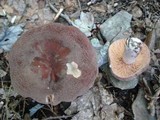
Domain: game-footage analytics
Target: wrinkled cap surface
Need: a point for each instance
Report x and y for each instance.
(52, 63)
(119, 68)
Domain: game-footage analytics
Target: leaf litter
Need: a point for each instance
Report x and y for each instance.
(9, 36)
(96, 104)
(85, 23)
(99, 102)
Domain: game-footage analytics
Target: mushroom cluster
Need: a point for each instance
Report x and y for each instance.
(128, 58)
(53, 63)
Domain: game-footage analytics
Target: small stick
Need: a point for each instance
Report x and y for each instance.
(146, 85)
(62, 15)
(58, 14)
(79, 4)
(154, 99)
(91, 2)
(58, 117)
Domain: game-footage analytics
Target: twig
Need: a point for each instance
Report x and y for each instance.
(62, 15)
(79, 4)
(154, 99)
(58, 117)
(58, 14)
(91, 2)
(146, 85)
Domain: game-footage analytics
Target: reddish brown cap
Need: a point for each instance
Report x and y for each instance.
(53, 63)
(119, 68)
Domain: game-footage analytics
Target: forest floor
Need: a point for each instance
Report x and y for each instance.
(144, 24)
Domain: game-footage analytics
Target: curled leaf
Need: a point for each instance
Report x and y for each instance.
(85, 23)
(9, 36)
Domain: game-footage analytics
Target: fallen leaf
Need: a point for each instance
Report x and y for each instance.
(1, 91)
(96, 104)
(34, 109)
(85, 23)
(2, 73)
(150, 39)
(99, 8)
(19, 5)
(139, 108)
(8, 9)
(9, 36)
(137, 12)
(71, 4)
(45, 14)
(2, 12)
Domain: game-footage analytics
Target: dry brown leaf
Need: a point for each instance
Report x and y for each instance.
(45, 14)
(30, 12)
(136, 12)
(19, 6)
(99, 8)
(2, 12)
(8, 9)
(41, 4)
(150, 39)
(32, 3)
(71, 4)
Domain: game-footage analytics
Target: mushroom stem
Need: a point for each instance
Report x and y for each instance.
(132, 49)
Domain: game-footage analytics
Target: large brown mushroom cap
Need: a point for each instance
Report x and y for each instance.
(124, 71)
(40, 62)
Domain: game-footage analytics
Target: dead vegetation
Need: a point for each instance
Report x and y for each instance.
(103, 101)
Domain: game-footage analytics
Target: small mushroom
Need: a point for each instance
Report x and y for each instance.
(128, 58)
(53, 63)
